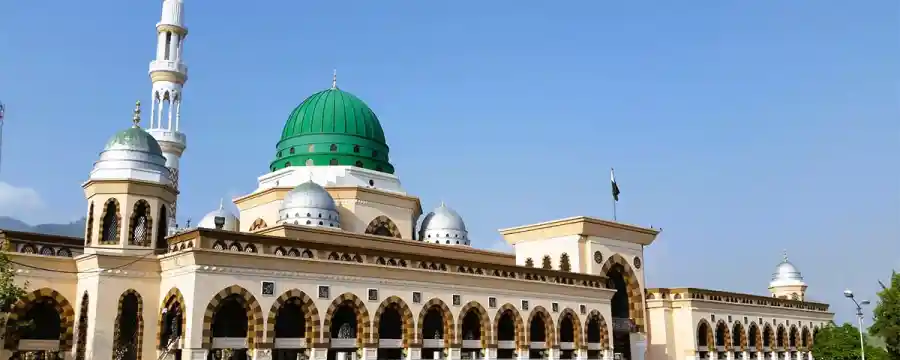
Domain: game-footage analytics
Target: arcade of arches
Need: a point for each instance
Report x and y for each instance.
(752, 341)
(293, 327)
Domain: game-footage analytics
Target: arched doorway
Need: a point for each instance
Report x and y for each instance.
(804, 339)
(737, 340)
(540, 333)
(41, 331)
(230, 329)
(346, 322)
(290, 331)
(433, 333)
(793, 334)
(767, 337)
(621, 311)
(507, 331)
(172, 324)
(390, 331)
(723, 339)
(780, 338)
(597, 335)
(471, 334)
(569, 335)
(753, 336)
(129, 323)
(704, 340)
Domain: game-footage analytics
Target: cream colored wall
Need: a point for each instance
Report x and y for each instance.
(609, 247)
(209, 282)
(555, 247)
(674, 324)
(266, 211)
(359, 213)
(788, 291)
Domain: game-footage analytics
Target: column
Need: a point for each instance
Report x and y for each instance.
(318, 353)
(581, 354)
(171, 109)
(746, 355)
(522, 354)
(553, 353)
(413, 353)
(370, 353)
(490, 353)
(194, 354)
(759, 355)
(173, 50)
(729, 355)
(607, 354)
(714, 355)
(178, 112)
(453, 353)
(159, 111)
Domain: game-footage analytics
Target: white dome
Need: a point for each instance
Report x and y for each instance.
(786, 274)
(231, 222)
(309, 204)
(132, 154)
(444, 226)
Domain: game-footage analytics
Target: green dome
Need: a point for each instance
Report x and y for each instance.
(333, 127)
(134, 139)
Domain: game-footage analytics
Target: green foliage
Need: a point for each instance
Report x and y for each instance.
(887, 317)
(546, 262)
(10, 292)
(842, 343)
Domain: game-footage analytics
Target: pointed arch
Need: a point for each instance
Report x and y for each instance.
(89, 226)
(446, 317)
(173, 298)
(517, 321)
(162, 228)
(258, 224)
(81, 341)
(755, 333)
(768, 336)
(604, 330)
(540, 311)
(405, 316)
(140, 224)
(363, 322)
(781, 337)
(483, 319)
(793, 336)
(58, 301)
(110, 220)
(704, 326)
(384, 226)
(310, 316)
(806, 335)
(723, 335)
(138, 337)
(251, 306)
(635, 295)
(738, 336)
(576, 326)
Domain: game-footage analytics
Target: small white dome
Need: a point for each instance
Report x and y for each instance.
(132, 154)
(786, 274)
(444, 226)
(229, 221)
(309, 204)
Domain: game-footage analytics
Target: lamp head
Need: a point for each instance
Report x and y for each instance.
(865, 302)
(848, 293)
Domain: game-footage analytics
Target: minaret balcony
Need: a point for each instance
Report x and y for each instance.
(168, 65)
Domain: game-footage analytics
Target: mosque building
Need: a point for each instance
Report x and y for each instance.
(328, 259)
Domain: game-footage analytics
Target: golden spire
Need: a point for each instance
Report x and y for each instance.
(136, 118)
(334, 80)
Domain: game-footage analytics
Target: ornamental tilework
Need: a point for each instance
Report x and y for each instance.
(576, 327)
(310, 316)
(517, 321)
(63, 308)
(255, 318)
(635, 295)
(549, 337)
(363, 324)
(405, 316)
(484, 321)
(446, 318)
(174, 295)
(383, 222)
(139, 335)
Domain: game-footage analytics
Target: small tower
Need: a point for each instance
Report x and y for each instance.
(168, 73)
(129, 193)
(787, 283)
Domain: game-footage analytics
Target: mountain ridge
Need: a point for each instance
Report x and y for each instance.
(73, 229)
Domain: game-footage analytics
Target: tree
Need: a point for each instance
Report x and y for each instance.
(546, 263)
(842, 343)
(10, 292)
(564, 264)
(887, 317)
(529, 262)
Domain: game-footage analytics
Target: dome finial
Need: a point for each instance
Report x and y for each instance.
(334, 80)
(784, 256)
(136, 117)
(221, 203)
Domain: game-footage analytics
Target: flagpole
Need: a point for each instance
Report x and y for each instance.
(614, 209)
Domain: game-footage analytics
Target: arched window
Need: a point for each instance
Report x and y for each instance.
(109, 229)
(358, 163)
(90, 225)
(292, 150)
(356, 148)
(333, 147)
(141, 226)
(333, 162)
(162, 228)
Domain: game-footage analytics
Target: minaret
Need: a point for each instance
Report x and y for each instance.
(168, 73)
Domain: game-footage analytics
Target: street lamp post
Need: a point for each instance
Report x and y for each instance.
(859, 316)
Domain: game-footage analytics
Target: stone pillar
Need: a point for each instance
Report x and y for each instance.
(714, 355)
(194, 354)
(581, 354)
(553, 353)
(318, 353)
(729, 355)
(370, 353)
(607, 354)
(413, 353)
(453, 353)
(490, 353)
(522, 354)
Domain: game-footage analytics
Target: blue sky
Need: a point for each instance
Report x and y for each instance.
(741, 128)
